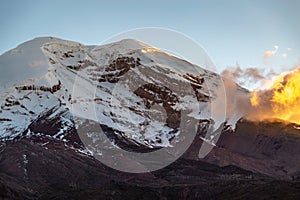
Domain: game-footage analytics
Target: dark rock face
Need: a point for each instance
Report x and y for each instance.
(81, 65)
(197, 85)
(59, 126)
(155, 94)
(52, 89)
(117, 68)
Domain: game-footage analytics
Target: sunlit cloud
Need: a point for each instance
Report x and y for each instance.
(245, 75)
(270, 53)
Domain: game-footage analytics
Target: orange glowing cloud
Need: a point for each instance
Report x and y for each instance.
(281, 100)
(270, 53)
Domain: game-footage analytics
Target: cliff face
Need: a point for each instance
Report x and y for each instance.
(52, 89)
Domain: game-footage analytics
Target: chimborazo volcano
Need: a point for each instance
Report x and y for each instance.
(127, 120)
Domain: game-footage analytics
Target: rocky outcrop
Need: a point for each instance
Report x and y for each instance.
(117, 68)
(81, 65)
(52, 89)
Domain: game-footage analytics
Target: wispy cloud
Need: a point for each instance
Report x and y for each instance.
(249, 77)
(239, 75)
(270, 53)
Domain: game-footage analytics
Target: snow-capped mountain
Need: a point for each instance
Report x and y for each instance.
(142, 98)
(60, 98)
(137, 90)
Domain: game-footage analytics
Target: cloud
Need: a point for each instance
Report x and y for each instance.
(239, 75)
(37, 64)
(252, 77)
(254, 73)
(284, 55)
(233, 73)
(270, 53)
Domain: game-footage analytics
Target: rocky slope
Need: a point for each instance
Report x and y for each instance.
(266, 147)
(50, 169)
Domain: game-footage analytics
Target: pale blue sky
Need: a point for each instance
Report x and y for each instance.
(230, 30)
